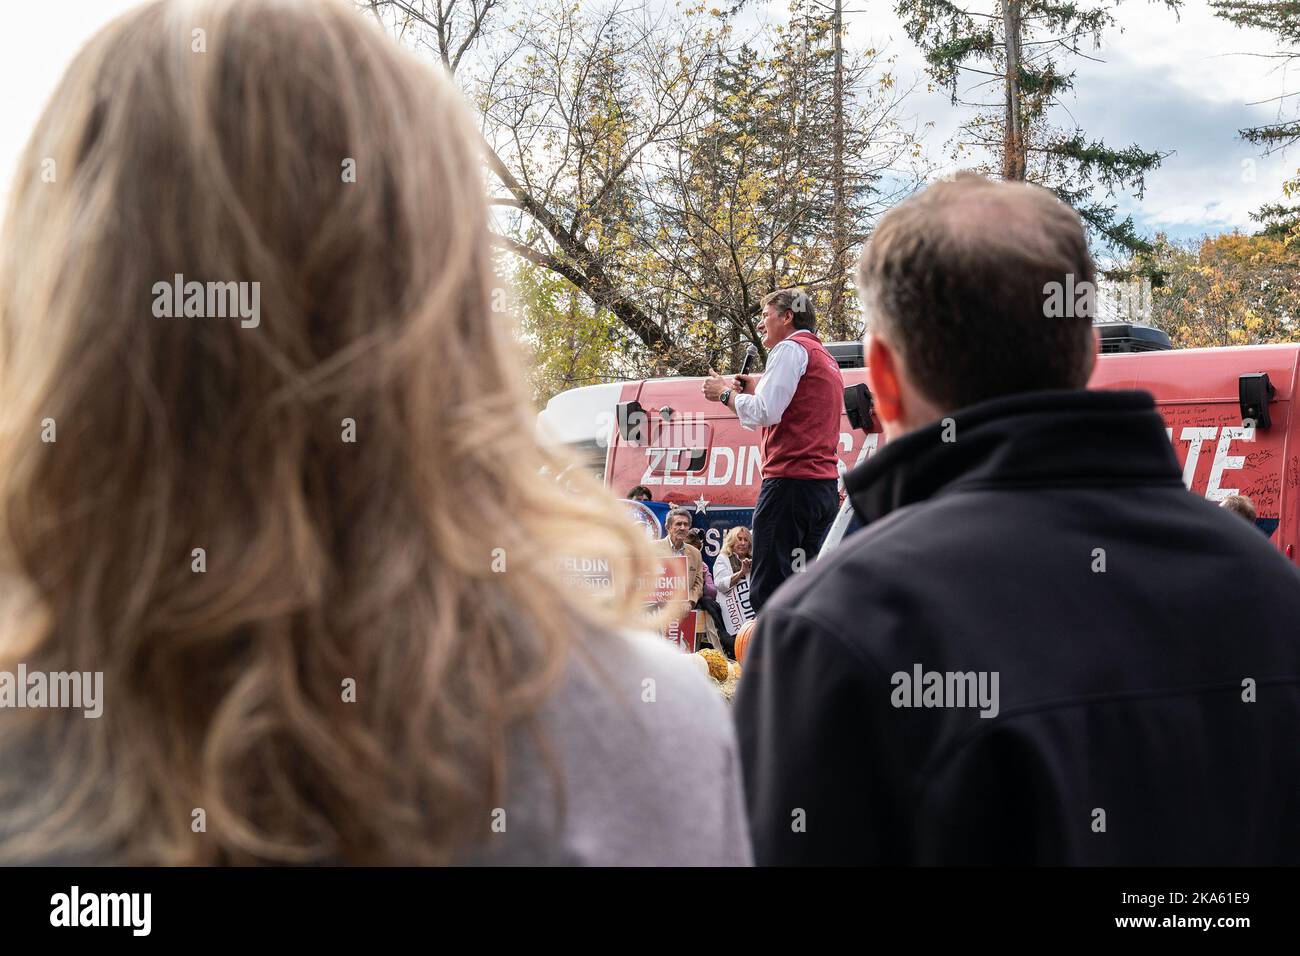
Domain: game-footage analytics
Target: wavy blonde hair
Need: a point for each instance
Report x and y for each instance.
(374, 561)
(731, 537)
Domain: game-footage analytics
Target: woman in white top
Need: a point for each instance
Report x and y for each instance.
(733, 561)
(730, 572)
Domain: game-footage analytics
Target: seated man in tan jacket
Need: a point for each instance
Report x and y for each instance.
(678, 524)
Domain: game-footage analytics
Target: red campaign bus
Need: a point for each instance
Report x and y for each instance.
(1227, 412)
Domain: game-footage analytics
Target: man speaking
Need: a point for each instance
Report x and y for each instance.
(796, 406)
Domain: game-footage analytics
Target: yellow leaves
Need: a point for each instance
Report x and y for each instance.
(1231, 289)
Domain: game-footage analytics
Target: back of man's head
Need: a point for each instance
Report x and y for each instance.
(1239, 504)
(976, 285)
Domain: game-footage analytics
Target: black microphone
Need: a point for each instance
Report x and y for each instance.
(751, 353)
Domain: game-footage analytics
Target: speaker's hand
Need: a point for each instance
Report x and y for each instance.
(716, 384)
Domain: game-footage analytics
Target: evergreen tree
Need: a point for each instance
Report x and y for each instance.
(1281, 18)
(1024, 47)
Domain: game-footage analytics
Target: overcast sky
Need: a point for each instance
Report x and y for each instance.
(1168, 83)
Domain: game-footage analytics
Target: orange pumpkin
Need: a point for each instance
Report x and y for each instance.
(742, 640)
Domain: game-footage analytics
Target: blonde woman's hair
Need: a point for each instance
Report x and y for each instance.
(321, 643)
(729, 539)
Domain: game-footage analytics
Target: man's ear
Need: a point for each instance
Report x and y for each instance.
(883, 380)
(1092, 357)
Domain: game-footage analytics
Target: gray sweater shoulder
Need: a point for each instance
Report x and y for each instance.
(636, 764)
(643, 751)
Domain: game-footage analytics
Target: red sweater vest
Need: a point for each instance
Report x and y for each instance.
(803, 443)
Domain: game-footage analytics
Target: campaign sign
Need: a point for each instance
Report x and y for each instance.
(736, 609)
(669, 581)
(669, 584)
(682, 633)
(588, 575)
(716, 523)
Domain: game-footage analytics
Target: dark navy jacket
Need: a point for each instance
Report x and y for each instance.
(1146, 645)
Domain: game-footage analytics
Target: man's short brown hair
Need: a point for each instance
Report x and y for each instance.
(797, 301)
(674, 514)
(956, 279)
(1241, 505)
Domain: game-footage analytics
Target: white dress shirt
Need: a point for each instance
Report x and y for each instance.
(786, 364)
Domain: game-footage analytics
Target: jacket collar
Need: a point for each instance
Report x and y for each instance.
(808, 332)
(1028, 440)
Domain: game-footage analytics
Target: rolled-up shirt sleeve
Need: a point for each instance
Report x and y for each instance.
(786, 364)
